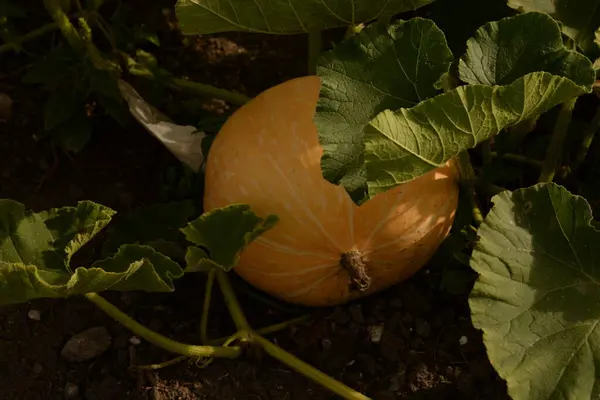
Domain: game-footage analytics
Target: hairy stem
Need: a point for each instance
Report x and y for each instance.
(266, 330)
(353, 30)
(315, 45)
(518, 158)
(14, 45)
(468, 180)
(559, 133)
(232, 303)
(159, 340)
(210, 280)
(86, 47)
(307, 370)
(194, 87)
(588, 138)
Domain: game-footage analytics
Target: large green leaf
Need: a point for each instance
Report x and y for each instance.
(36, 251)
(537, 298)
(283, 17)
(579, 18)
(383, 67)
(402, 145)
(505, 50)
(222, 234)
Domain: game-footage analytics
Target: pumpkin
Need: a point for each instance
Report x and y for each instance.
(325, 250)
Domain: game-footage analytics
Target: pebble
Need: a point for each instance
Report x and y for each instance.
(34, 315)
(376, 332)
(71, 390)
(87, 345)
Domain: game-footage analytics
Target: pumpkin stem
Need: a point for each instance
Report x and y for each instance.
(354, 262)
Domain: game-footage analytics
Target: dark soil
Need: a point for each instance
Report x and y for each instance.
(428, 349)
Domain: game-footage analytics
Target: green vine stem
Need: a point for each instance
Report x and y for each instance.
(15, 44)
(468, 180)
(308, 370)
(86, 47)
(159, 340)
(246, 332)
(315, 46)
(210, 280)
(518, 158)
(266, 330)
(553, 153)
(353, 30)
(588, 138)
(193, 87)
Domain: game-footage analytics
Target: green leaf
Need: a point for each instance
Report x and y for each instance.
(48, 239)
(503, 51)
(402, 145)
(383, 67)
(579, 18)
(148, 224)
(222, 234)
(538, 292)
(283, 17)
(36, 249)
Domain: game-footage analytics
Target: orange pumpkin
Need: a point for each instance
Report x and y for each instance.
(325, 250)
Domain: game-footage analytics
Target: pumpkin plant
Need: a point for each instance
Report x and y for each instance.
(343, 182)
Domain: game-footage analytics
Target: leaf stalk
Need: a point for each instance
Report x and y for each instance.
(245, 332)
(554, 151)
(588, 138)
(157, 339)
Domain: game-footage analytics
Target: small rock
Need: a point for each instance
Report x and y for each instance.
(375, 332)
(34, 315)
(356, 313)
(326, 343)
(463, 340)
(87, 345)
(134, 340)
(71, 390)
(37, 368)
(422, 328)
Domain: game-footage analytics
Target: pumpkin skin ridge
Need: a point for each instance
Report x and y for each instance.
(287, 275)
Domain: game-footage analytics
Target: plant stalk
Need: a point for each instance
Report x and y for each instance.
(86, 47)
(159, 340)
(308, 370)
(353, 30)
(14, 45)
(315, 45)
(266, 330)
(210, 280)
(588, 138)
(194, 87)
(518, 158)
(554, 151)
(232, 303)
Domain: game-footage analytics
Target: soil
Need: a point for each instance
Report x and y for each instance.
(428, 348)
